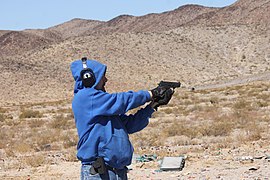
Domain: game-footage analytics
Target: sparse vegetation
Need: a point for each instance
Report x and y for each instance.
(34, 160)
(2, 118)
(22, 147)
(208, 118)
(37, 130)
(217, 114)
(36, 123)
(232, 115)
(70, 139)
(30, 114)
(242, 104)
(59, 122)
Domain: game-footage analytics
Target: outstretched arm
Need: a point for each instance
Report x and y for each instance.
(106, 104)
(138, 121)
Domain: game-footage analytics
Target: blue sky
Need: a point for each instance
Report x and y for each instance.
(34, 14)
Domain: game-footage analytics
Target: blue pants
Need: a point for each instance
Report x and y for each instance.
(119, 174)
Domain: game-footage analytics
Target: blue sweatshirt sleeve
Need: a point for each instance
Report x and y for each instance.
(106, 104)
(138, 121)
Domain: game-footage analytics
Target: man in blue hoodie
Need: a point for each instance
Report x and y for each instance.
(103, 127)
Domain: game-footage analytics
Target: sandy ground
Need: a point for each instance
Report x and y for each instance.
(223, 164)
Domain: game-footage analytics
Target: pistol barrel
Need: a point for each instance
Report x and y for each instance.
(170, 84)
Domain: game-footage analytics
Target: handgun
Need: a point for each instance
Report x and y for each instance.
(169, 84)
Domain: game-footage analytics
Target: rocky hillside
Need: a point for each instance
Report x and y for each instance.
(221, 127)
(14, 42)
(246, 12)
(75, 27)
(193, 44)
(152, 22)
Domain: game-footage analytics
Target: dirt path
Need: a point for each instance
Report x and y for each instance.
(238, 81)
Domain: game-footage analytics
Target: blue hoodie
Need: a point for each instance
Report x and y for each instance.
(101, 122)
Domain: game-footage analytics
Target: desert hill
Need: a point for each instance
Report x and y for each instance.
(221, 127)
(14, 42)
(152, 22)
(139, 51)
(127, 23)
(242, 12)
(75, 27)
(3, 32)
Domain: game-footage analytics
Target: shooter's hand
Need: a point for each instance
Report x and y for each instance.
(158, 92)
(164, 100)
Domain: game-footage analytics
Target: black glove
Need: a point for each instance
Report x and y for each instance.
(158, 92)
(164, 100)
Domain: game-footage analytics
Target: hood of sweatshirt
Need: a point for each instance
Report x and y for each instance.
(76, 67)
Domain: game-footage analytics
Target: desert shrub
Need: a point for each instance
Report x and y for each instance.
(241, 104)
(177, 129)
(12, 123)
(68, 110)
(2, 118)
(36, 123)
(254, 134)
(3, 137)
(181, 95)
(225, 142)
(69, 140)
(156, 114)
(71, 155)
(216, 128)
(30, 114)
(151, 137)
(193, 108)
(70, 115)
(252, 93)
(2, 110)
(10, 152)
(22, 147)
(253, 130)
(214, 100)
(262, 103)
(34, 160)
(263, 96)
(59, 122)
(186, 102)
(168, 110)
(265, 118)
(242, 118)
(45, 137)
